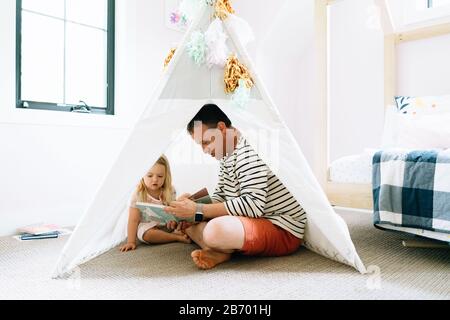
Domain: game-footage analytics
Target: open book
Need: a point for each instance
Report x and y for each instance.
(155, 212)
(201, 196)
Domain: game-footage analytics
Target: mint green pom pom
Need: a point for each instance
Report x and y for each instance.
(241, 96)
(197, 47)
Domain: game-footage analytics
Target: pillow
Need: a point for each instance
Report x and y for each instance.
(425, 132)
(423, 105)
(416, 131)
(390, 130)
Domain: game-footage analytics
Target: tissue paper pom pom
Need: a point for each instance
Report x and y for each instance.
(216, 41)
(169, 57)
(234, 71)
(241, 95)
(196, 48)
(223, 9)
(241, 28)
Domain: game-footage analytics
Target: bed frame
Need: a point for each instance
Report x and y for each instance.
(360, 195)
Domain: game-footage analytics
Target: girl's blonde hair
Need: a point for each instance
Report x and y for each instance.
(167, 189)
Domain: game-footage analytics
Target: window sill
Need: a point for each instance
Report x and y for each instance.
(21, 116)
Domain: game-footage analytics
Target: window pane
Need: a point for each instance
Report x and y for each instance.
(50, 7)
(440, 3)
(86, 65)
(42, 58)
(90, 12)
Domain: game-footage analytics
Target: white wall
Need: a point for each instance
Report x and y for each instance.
(356, 77)
(51, 163)
(423, 67)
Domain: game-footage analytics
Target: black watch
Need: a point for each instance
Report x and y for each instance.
(199, 213)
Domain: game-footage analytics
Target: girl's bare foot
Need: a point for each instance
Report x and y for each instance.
(207, 258)
(182, 237)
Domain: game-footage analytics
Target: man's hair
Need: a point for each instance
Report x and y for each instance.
(210, 115)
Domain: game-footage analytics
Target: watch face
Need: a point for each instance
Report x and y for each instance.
(198, 217)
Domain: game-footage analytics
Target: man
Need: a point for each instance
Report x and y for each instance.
(252, 211)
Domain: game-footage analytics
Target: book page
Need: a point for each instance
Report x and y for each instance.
(155, 212)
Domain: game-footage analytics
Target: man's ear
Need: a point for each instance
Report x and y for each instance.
(222, 126)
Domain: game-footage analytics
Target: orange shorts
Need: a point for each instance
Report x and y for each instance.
(263, 238)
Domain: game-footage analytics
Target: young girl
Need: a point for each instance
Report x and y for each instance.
(156, 187)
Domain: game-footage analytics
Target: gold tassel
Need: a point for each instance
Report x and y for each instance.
(223, 9)
(234, 70)
(169, 57)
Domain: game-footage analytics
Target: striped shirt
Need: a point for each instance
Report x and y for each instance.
(248, 188)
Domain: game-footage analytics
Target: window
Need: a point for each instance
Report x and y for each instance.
(419, 11)
(437, 3)
(65, 55)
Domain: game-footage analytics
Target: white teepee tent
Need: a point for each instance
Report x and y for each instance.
(183, 90)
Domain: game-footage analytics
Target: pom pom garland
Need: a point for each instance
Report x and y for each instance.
(223, 9)
(216, 41)
(234, 71)
(169, 57)
(241, 95)
(196, 48)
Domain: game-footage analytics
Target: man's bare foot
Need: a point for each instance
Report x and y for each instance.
(207, 258)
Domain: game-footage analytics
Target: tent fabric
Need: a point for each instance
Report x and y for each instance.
(182, 91)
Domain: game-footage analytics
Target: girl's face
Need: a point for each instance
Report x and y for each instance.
(154, 179)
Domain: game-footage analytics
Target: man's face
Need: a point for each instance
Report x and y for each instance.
(216, 142)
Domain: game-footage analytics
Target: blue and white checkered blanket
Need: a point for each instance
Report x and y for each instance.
(412, 189)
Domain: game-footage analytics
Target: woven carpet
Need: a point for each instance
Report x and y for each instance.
(167, 272)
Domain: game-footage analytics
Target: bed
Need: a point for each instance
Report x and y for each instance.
(408, 190)
(349, 180)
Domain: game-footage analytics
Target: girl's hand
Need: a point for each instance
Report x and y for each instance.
(183, 225)
(128, 246)
(172, 225)
(180, 226)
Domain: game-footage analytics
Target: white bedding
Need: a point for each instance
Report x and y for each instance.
(353, 169)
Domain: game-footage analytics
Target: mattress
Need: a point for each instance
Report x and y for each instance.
(353, 169)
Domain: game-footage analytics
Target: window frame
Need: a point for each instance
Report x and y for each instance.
(110, 73)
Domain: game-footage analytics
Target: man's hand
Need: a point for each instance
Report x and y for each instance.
(184, 209)
(184, 196)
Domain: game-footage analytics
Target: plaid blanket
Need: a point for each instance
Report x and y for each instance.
(412, 189)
